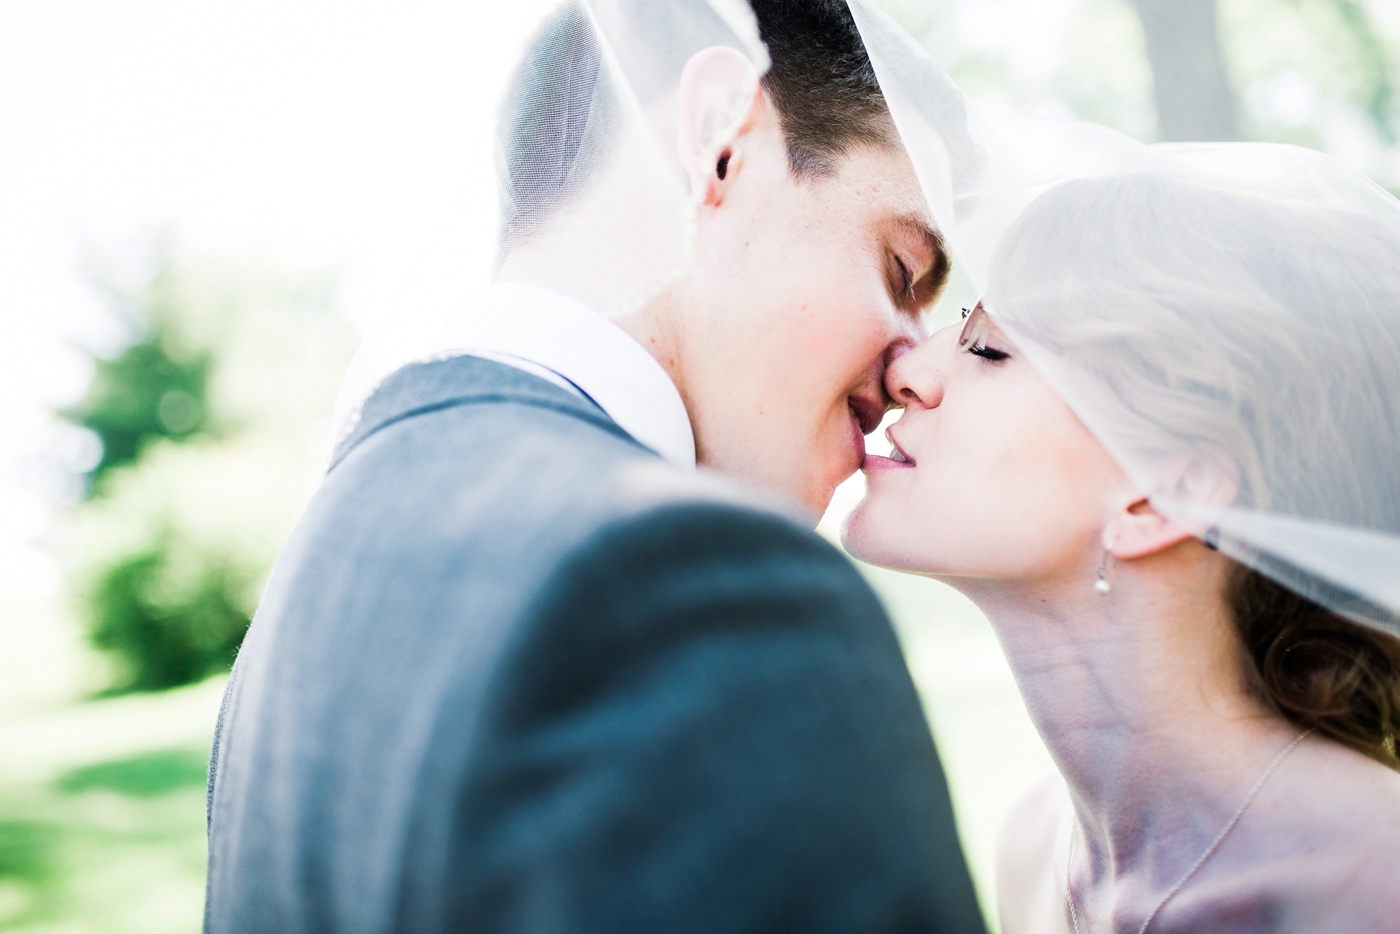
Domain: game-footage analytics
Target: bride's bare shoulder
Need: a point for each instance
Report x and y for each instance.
(1030, 855)
(1368, 831)
(1358, 797)
(1318, 851)
(1031, 827)
(1338, 859)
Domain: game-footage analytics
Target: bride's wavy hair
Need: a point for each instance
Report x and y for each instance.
(1195, 316)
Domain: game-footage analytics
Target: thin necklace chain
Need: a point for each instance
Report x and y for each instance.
(1215, 844)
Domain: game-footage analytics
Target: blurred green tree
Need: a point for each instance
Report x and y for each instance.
(171, 613)
(213, 418)
(155, 387)
(143, 393)
(1193, 85)
(1190, 78)
(1376, 64)
(1315, 73)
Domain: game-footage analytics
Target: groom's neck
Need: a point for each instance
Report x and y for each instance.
(656, 326)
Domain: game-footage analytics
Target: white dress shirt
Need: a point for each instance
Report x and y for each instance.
(564, 341)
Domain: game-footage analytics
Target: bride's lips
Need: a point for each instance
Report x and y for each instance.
(900, 460)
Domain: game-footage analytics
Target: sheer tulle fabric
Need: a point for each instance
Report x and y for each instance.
(594, 199)
(1225, 318)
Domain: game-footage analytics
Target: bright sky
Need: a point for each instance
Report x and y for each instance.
(298, 132)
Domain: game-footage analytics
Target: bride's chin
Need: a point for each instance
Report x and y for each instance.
(874, 541)
(865, 539)
(854, 534)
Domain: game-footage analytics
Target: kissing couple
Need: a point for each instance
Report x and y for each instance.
(555, 649)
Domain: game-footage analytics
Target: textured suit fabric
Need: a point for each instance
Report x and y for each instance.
(513, 673)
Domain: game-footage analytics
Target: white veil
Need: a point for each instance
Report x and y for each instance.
(594, 199)
(1225, 318)
(590, 195)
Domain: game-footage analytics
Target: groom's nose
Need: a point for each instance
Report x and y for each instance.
(912, 379)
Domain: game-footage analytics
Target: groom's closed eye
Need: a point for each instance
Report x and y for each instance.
(921, 261)
(904, 278)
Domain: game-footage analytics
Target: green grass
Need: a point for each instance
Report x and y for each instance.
(151, 775)
(101, 798)
(115, 846)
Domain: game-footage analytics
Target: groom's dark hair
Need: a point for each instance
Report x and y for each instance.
(820, 81)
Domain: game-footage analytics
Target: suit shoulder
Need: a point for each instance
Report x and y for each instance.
(658, 515)
(681, 558)
(645, 490)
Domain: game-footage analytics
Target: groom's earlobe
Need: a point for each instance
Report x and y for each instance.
(711, 194)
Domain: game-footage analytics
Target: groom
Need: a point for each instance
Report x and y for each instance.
(521, 668)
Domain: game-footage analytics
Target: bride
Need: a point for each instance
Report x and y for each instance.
(1162, 455)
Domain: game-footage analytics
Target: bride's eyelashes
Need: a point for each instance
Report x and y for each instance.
(976, 331)
(988, 353)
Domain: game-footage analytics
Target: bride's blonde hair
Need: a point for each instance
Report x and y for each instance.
(1196, 312)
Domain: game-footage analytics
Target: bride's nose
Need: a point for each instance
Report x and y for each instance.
(914, 378)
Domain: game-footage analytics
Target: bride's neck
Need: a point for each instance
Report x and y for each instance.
(1140, 697)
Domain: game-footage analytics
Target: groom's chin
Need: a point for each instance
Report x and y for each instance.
(813, 491)
(816, 504)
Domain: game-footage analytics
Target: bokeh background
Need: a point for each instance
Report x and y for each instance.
(206, 206)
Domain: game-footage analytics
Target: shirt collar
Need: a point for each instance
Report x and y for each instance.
(568, 338)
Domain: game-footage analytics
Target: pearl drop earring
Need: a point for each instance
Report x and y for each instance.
(1101, 586)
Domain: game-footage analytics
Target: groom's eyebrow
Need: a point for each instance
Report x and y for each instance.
(933, 248)
(929, 240)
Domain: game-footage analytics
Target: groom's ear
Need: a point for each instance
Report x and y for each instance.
(720, 101)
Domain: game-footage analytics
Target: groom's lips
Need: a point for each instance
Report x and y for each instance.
(866, 415)
(868, 412)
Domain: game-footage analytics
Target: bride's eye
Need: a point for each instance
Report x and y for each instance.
(975, 332)
(988, 353)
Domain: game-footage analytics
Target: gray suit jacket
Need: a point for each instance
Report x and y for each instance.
(514, 673)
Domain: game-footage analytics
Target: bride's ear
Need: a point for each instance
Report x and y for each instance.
(1198, 490)
(720, 101)
(1139, 530)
